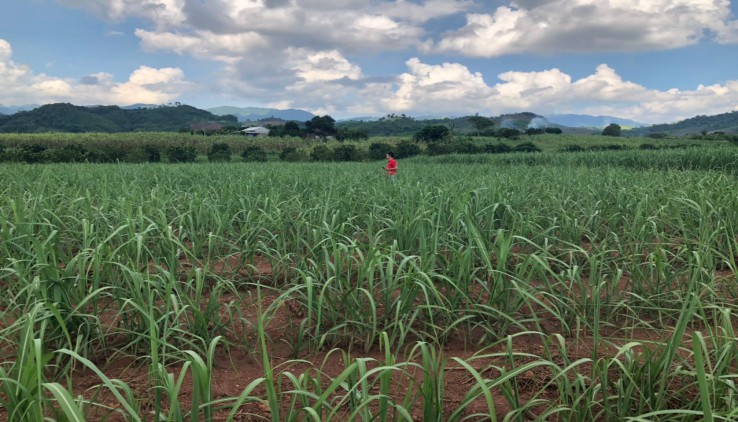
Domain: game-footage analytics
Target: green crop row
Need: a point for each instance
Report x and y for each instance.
(587, 286)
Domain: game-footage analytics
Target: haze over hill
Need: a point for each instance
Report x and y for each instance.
(64, 117)
(258, 113)
(585, 120)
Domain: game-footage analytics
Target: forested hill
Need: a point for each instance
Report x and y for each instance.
(726, 122)
(71, 118)
(401, 125)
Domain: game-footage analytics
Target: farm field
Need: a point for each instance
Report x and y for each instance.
(589, 286)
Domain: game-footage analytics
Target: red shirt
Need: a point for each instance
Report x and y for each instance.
(391, 167)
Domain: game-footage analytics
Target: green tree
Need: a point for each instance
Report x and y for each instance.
(480, 123)
(433, 133)
(322, 126)
(613, 129)
(292, 129)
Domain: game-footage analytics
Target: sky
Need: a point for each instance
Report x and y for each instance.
(653, 61)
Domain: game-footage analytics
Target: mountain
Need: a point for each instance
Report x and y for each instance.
(584, 120)
(70, 118)
(725, 122)
(402, 125)
(139, 105)
(258, 113)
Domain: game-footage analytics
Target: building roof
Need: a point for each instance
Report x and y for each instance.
(256, 129)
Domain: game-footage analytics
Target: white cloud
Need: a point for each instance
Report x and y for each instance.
(204, 45)
(323, 66)
(422, 12)
(527, 26)
(441, 88)
(20, 85)
(314, 24)
(452, 88)
(164, 13)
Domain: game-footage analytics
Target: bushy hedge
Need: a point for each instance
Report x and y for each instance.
(378, 150)
(181, 154)
(219, 152)
(254, 154)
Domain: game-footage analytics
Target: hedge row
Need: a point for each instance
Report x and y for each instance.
(221, 152)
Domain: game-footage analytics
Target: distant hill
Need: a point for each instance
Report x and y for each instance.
(257, 113)
(726, 122)
(64, 117)
(402, 125)
(584, 120)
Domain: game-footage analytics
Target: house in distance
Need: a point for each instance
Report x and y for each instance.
(255, 131)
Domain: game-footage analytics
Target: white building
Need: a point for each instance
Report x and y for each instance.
(255, 131)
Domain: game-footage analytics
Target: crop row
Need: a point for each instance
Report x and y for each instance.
(552, 271)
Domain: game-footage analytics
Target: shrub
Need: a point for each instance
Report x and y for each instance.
(32, 153)
(219, 152)
(292, 154)
(433, 133)
(407, 149)
(657, 135)
(152, 153)
(321, 153)
(181, 154)
(439, 148)
(526, 147)
(378, 150)
(534, 131)
(137, 155)
(506, 132)
(466, 148)
(647, 146)
(110, 154)
(554, 130)
(573, 148)
(498, 148)
(254, 153)
(345, 153)
(72, 153)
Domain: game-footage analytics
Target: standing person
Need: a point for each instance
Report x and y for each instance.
(391, 168)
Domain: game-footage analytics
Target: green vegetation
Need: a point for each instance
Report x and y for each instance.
(166, 147)
(576, 286)
(726, 123)
(77, 119)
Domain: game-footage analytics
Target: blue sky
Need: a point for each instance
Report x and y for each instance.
(653, 61)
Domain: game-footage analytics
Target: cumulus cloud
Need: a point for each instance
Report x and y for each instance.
(535, 26)
(452, 88)
(165, 13)
(314, 24)
(20, 85)
(425, 11)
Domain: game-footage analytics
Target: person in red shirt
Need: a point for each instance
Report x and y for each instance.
(391, 168)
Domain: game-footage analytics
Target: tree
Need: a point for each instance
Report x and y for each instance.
(433, 133)
(291, 129)
(321, 126)
(480, 123)
(613, 129)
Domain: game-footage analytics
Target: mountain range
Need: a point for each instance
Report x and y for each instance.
(596, 122)
(252, 114)
(70, 118)
(175, 117)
